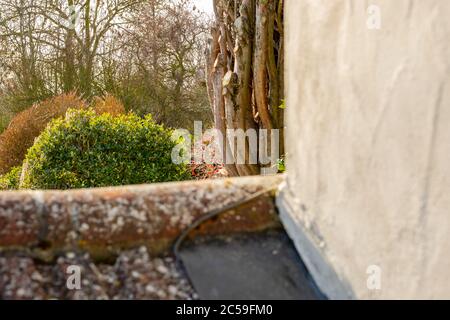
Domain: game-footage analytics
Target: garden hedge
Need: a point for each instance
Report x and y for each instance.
(86, 150)
(27, 125)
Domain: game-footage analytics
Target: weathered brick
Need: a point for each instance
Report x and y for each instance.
(108, 220)
(19, 219)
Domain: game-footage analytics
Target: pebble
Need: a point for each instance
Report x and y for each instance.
(134, 275)
(163, 270)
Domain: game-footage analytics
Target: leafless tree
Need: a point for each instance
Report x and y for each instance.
(148, 52)
(54, 46)
(164, 57)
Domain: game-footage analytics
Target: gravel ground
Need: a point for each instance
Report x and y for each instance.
(134, 275)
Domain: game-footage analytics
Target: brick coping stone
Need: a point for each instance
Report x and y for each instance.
(106, 221)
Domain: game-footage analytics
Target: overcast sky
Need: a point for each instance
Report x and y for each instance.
(205, 5)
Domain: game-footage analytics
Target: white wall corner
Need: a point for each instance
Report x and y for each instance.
(327, 279)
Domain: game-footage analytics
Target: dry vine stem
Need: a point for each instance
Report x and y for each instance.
(245, 70)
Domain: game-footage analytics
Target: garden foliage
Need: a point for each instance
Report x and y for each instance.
(86, 150)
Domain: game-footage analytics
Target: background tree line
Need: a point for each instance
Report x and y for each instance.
(149, 54)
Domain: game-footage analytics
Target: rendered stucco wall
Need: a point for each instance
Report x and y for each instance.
(368, 116)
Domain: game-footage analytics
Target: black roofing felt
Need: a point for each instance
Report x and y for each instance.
(259, 266)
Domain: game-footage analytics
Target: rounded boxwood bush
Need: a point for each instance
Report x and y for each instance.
(86, 150)
(27, 125)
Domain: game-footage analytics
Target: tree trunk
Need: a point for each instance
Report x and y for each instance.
(69, 70)
(245, 75)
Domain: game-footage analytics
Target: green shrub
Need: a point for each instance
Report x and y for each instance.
(86, 150)
(26, 126)
(10, 181)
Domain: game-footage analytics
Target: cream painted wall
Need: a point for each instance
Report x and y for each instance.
(368, 116)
